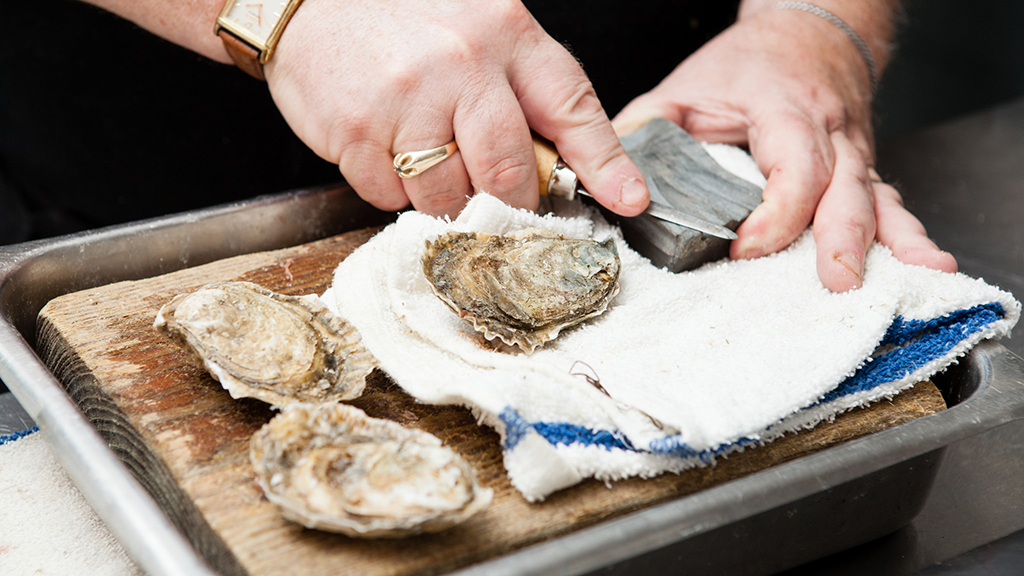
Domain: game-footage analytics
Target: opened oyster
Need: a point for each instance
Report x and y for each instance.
(523, 288)
(260, 344)
(332, 467)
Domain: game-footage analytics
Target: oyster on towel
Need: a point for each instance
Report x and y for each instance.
(525, 287)
(260, 344)
(331, 467)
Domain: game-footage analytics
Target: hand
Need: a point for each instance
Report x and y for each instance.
(795, 90)
(359, 81)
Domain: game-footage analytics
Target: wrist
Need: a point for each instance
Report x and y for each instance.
(250, 31)
(869, 20)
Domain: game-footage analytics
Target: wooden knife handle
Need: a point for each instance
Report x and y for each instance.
(547, 157)
(554, 178)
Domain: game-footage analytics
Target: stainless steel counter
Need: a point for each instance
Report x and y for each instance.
(965, 180)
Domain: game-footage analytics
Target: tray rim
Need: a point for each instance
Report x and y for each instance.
(301, 216)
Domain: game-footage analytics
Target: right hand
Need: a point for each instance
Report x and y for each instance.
(361, 80)
(797, 92)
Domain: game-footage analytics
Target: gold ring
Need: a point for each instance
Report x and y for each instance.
(410, 164)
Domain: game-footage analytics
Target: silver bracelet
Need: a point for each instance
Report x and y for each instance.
(862, 46)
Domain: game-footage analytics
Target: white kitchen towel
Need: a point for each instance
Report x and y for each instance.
(694, 365)
(46, 526)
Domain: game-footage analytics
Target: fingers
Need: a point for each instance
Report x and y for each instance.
(367, 163)
(903, 233)
(491, 124)
(444, 188)
(848, 209)
(811, 176)
(495, 155)
(561, 105)
(844, 224)
(497, 148)
(483, 77)
(367, 166)
(797, 156)
(642, 110)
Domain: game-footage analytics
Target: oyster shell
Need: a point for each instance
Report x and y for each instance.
(523, 288)
(260, 344)
(332, 467)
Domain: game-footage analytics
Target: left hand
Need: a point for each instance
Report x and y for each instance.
(359, 81)
(796, 91)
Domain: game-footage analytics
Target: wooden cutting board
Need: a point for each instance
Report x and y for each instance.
(187, 440)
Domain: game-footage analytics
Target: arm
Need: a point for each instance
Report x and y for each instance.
(795, 89)
(361, 80)
(188, 23)
(871, 19)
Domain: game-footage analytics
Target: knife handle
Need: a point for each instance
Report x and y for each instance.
(554, 178)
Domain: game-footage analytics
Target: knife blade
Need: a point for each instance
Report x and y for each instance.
(557, 179)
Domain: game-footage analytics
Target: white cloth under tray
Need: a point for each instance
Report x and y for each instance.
(695, 364)
(46, 526)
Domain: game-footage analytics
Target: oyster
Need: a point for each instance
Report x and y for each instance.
(523, 288)
(264, 345)
(331, 467)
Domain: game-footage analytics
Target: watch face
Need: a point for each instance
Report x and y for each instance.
(254, 19)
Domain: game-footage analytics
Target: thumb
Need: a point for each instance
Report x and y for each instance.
(560, 104)
(642, 110)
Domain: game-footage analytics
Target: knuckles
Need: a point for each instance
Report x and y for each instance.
(579, 102)
(504, 174)
(887, 193)
(452, 61)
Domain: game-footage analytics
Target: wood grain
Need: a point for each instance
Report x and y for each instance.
(187, 441)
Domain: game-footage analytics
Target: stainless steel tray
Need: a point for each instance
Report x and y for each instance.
(760, 524)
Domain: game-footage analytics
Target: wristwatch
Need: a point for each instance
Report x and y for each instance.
(250, 30)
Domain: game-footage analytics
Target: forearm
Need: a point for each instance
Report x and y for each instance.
(871, 19)
(188, 23)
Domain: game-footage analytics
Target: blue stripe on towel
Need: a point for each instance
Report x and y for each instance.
(559, 433)
(7, 438)
(515, 427)
(915, 343)
(674, 446)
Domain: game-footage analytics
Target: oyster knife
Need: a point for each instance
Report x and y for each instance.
(557, 179)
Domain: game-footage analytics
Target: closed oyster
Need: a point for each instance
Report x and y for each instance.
(523, 288)
(260, 344)
(332, 467)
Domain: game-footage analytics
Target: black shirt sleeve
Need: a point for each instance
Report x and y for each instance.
(102, 122)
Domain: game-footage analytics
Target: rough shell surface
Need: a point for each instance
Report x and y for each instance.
(332, 467)
(260, 344)
(523, 288)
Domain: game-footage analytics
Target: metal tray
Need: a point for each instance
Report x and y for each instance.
(760, 524)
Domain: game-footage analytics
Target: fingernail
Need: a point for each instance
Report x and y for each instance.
(851, 263)
(749, 249)
(633, 192)
(751, 253)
